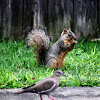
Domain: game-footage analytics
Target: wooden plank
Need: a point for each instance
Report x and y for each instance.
(82, 16)
(21, 17)
(98, 19)
(85, 17)
(4, 18)
(17, 18)
(60, 15)
(1, 19)
(27, 19)
(36, 15)
(44, 12)
(98, 14)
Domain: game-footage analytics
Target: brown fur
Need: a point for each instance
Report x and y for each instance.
(60, 60)
(54, 55)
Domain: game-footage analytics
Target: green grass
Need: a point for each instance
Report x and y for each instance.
(18, 65)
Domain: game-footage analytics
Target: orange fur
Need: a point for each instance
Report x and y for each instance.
(60, 60)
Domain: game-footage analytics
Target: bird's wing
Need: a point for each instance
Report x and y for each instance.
(46, 86)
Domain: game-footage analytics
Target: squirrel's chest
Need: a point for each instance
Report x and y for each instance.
(60, 60)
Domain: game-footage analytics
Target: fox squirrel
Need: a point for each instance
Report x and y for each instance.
(52, 56)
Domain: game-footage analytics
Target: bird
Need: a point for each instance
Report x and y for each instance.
(45, 86)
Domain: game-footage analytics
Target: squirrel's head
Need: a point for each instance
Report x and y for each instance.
(68, 34)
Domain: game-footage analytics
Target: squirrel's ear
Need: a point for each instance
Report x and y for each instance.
(64, 31)
(70, 29)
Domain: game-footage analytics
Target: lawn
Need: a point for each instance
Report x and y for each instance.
(18, 66)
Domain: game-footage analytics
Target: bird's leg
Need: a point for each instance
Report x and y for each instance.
(51, 98)
(40, 97)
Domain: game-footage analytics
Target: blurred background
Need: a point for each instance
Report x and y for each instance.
(18, 17)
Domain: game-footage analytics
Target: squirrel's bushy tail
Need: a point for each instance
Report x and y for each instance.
(40, 41)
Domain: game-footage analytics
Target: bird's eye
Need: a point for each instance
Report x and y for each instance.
(59, 72)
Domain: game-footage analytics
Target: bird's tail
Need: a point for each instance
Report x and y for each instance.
(26, 89)
(19, 92)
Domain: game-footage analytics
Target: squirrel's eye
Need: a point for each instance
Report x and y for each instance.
(69, 34)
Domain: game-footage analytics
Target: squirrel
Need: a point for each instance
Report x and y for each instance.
(52, 56)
